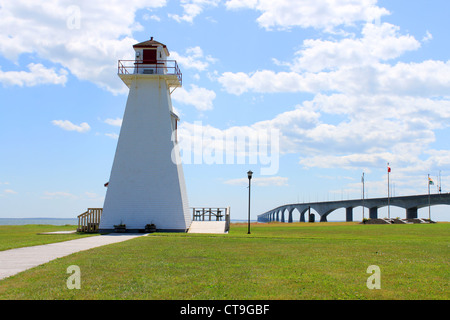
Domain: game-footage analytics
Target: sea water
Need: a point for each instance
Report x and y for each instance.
(50, 221)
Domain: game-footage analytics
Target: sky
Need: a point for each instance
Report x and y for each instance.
(323, 91)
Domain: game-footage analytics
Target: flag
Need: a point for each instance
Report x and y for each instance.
(430, 181)
(389, 169)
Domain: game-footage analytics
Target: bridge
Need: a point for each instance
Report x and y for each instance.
(410, 203)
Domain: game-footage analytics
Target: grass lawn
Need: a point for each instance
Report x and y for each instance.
(277, 261)
(29, 235)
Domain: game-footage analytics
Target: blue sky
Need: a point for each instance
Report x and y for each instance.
(348, 85)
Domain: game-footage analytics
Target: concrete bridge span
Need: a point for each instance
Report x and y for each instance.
(410, 203)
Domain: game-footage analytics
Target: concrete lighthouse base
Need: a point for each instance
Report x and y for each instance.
(147, 184)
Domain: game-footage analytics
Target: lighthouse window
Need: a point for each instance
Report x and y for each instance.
(149, 56)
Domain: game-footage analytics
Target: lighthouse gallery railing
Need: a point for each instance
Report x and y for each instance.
(166, 67)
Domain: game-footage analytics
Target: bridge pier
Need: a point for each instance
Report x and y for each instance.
(411, 213)
(323, 218)
(310, 216)
(373, 213)
(302, 217)
(349, 214)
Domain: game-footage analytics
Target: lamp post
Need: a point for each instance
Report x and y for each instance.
(249, 174)
(362, 180)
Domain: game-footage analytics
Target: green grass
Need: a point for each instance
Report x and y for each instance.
(29, 235)
(277, 261)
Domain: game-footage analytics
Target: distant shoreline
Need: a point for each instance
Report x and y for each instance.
(74, 221)
(63, 221)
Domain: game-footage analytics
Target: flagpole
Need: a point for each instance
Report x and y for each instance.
(429, 201)
(389, 202)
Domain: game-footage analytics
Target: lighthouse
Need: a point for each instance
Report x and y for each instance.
(146, 184)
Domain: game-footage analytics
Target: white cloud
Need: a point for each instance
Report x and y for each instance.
(374, 129)
(69, 126)
(192, 8)
(428, 78)
(266, 81)
(325, 14)
(427, 37)
(241, 4)
(74, 39)
(439, 158)
(112, 135)
(379, 43)
(114, 122)
(92, 196)
(200, 98)
(151, 17)
(193, 59)
(388, 112)
(38, 74)
(9, 191)
(58, 194)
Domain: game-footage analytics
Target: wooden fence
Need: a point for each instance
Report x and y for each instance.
(89, 220)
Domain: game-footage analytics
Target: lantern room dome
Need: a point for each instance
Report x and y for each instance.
(151, 44)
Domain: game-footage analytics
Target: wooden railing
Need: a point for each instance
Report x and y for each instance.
(212, 214)
(89, 220)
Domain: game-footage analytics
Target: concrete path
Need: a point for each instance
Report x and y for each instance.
(17, 260)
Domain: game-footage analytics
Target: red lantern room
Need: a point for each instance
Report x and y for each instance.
(150, 59)
(151, 56)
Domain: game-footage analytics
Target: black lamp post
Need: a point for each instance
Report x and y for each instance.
(249, 174)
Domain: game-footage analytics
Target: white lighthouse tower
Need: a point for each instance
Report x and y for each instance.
(147, 184)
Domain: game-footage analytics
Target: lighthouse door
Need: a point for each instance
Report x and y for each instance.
(149, 56)
(149, 61)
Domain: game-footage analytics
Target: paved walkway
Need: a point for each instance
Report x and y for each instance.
(17, 260)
